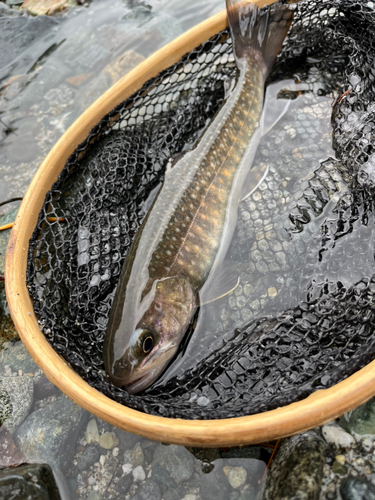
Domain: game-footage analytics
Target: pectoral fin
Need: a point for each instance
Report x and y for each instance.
(275, 105)
(173, 160)
(254, 178)
(224, 281)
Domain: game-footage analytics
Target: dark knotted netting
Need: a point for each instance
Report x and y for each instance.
(303, 316)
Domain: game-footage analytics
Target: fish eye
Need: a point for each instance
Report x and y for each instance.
(143, 340)
(147, 345)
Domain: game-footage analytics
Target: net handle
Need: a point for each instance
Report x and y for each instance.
(318, 408)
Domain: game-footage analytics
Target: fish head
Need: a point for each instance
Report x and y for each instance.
(154, 341)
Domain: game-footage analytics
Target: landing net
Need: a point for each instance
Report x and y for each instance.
(322, 328)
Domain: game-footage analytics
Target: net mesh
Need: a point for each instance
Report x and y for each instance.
(321, 329)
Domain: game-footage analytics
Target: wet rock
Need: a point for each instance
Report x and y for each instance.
(43, 388)
(254, 467)
(127, 439)
(94, 495)
(148, 452)
(334, 434)
(8, 451)
(49, 434)
(134, 456)
(20, 391)
(139, 473)
(339, 468)
(124, 484)
(173, 494)
(47, 7)
(17, 358)
(90, 456)
(108, 440)
(161, 476)
(14, 86)
(92, 432)
(6, 407)
(357, 488)
(362, 420)
(6, 11)
(14, 3)
(248, 493)
(120, 66)
(28, 30)
(236, 476)
(148, 491)
(102, 474)
(176, 460)
(92, 90)
(297, 469)
(77, 80)
(214, 485)
(28, 481)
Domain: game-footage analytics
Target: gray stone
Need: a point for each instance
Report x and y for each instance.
(139, 474)
(176, 460)
(297, 469)
(28, 481)
(248, 493)
(20, 391)
(90, 456)
(124, 484)
(334, 434)
(108, 440)
(173, 494)
(214, 485)
(149, 491)
(92, 432)
(236, 476)
(339, 468)
(361, 420)
(9, 455)
(357, 488)
(43, 388)
(6, 407)
(126, 439)
(28, 30)
(6, 11)
(94, 495)
(17, 358)
(49, 434)
(134, 456)
(161, 476)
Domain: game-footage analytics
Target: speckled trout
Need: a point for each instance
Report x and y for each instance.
(183, 240)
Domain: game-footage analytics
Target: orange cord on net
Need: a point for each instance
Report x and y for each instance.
(270, 460)
(49, 219)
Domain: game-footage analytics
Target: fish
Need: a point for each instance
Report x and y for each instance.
(174, 263)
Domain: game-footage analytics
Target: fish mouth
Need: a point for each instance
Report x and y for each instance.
(139, 383)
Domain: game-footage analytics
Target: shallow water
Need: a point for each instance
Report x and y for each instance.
(64, 63)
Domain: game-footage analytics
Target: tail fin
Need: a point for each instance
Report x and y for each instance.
(258, 30)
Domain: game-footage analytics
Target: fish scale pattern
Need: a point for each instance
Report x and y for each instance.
(294, 325)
